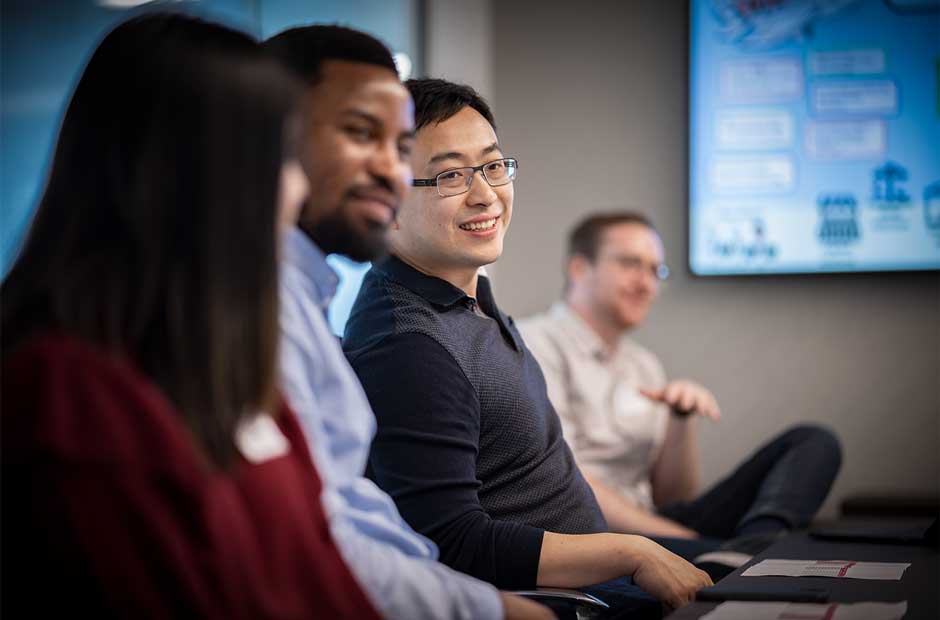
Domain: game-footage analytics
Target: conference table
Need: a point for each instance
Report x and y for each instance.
(919, 585)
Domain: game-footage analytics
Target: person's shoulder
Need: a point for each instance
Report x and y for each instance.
(385, 308)
(546, 329)
(546, 322)
(535, 322)
(372, 314)
(51, 357)
(412, 366)
(72, 399)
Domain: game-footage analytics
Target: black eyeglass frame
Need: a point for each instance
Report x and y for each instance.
(481, 168)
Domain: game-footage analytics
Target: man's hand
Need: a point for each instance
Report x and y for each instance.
(686, 397)
(575, 560)
(667, 576)
(519, 608)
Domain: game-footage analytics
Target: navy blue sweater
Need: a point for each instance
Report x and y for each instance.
(468, 443)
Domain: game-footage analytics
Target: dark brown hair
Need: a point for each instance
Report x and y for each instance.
(156, 235)
(585, 238)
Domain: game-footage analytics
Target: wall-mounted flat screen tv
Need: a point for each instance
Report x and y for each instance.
(814, 136)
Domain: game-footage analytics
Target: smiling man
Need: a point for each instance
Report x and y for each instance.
(357, 131)
(633, 430)
(468, 444)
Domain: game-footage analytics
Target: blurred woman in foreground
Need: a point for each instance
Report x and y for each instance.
(150, 468)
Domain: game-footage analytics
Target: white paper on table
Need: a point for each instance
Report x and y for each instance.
(727, 558)
(828, 568)
(740, 610)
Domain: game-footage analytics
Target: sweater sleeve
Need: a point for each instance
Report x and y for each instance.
(424, 455)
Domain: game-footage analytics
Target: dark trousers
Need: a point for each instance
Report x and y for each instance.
(787, 479)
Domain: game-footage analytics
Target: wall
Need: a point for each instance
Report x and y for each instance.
(591, 97)
(459, 43)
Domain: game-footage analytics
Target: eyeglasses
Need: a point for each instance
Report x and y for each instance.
(457, 180)
(659, 271)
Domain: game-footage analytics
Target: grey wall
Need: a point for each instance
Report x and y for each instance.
(591, 97)
(459, 43)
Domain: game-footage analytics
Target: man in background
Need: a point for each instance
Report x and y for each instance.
(357, 130)
(633, 430)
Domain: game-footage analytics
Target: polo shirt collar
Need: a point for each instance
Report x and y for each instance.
(439, 292)
(488, 304)
(445, 295)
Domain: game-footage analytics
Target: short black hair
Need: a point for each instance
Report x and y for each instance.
(437, 100)
(304, 49)
(585, 238)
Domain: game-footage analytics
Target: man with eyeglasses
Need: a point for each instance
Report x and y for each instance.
(632, 430)
(357, 133)
(467, 442)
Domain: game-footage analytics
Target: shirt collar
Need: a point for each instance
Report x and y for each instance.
(444, 294)
(584, 337)
(304, 255)
(439, 292)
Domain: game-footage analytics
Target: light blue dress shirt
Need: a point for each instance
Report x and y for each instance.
(396, 566)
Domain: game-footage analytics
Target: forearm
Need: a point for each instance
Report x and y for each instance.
(625, 517)
(677, 471)
(572, 561)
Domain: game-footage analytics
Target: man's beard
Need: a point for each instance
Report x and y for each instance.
(334, 234)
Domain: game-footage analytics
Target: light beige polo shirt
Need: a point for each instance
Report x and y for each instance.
(615, 432)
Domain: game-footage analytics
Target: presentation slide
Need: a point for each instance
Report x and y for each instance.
(814, 136)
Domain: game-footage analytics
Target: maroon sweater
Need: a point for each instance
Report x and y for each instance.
(110, 509)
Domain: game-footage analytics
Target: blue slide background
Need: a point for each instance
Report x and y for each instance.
(831, 217)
